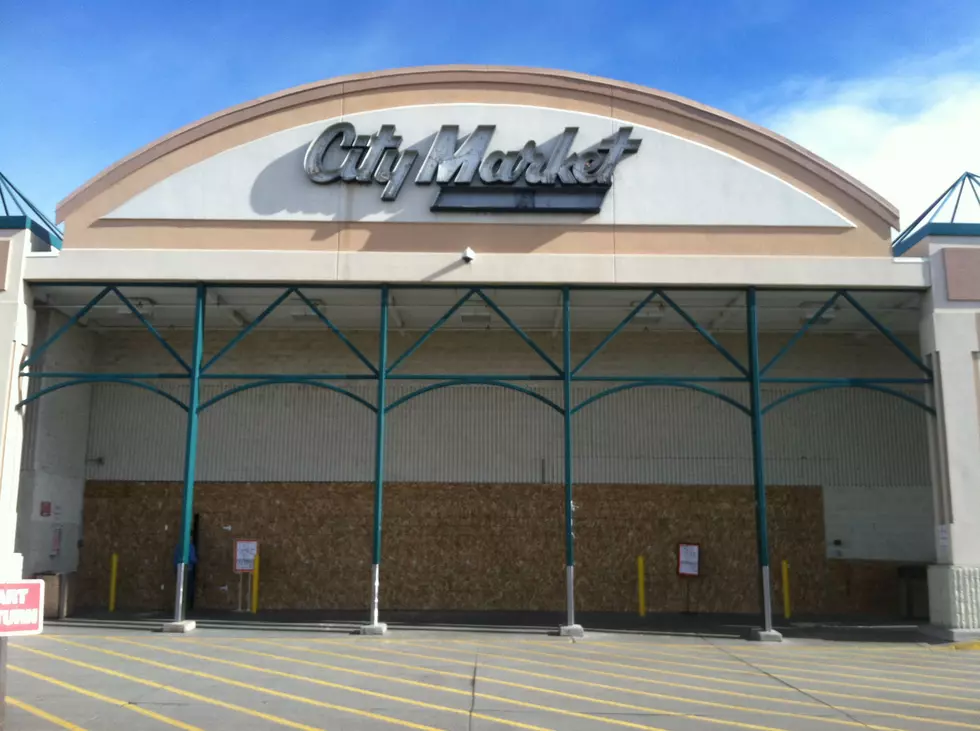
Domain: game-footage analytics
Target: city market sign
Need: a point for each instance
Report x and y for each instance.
(549, 178)
(640, 176)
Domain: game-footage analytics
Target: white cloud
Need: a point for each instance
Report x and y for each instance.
(907, 134)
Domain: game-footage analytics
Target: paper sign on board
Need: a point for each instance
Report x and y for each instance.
(688, 559)
(21, 608)
(245, 553)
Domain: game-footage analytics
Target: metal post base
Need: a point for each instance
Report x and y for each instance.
(375, 628)
(179, 593)
(764, 635)
(182, 627)
(571, 630)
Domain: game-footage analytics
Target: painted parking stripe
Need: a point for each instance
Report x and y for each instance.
(923, 652)
(932, 663)
(467, 693)
(654, 655)
(706, 689)
(742, 669)
(106, 699)
(293, 676)
(178, 691)
(468, 676)
(34, 711)
(617, 689)
(809, 680)
(634, 691)
(521, 686)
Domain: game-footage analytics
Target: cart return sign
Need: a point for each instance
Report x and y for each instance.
(21, 608)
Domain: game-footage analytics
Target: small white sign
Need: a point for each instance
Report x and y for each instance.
(688, 559)
(245, 553)
(943, 536)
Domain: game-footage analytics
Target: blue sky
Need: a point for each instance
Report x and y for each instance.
(862, 82)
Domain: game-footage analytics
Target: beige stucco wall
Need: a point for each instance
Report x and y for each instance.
(84, 210)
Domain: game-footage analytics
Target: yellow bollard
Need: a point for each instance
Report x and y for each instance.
(113, 576)
(787, 608)
(641, 586)
(255, 586)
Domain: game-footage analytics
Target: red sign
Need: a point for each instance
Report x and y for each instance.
(21, 608)
(45, 508)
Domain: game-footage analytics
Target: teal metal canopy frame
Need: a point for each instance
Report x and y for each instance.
(951, 214)
(18, 212)
(753, 375)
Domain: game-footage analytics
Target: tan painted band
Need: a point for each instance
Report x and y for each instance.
(434, 77)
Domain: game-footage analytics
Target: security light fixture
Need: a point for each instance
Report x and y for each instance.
(475, 317)
(143, 305)
(811, 308)
(650, 313)
(304, 312)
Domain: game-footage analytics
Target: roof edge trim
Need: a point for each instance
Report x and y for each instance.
(447, 75)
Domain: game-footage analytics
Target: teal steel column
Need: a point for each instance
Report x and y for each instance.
(758, 458)
(379, 454)
(190, 451)
(567, 415)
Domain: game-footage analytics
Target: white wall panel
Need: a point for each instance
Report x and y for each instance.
(867, 450)
(53, 468)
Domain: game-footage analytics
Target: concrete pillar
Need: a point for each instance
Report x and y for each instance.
(16, 321)
(950, 334)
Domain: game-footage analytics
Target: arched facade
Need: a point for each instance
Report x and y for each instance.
(563, 237)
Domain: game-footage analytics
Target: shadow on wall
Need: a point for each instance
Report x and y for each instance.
(388, 226)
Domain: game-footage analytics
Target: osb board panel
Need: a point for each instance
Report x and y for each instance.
(472, 547)
(617, 523)
(315, 543)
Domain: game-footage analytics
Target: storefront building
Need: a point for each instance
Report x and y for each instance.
(474, 338)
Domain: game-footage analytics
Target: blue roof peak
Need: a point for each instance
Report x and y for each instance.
(17, 211)
(954, 213)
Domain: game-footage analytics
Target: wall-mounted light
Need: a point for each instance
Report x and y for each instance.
(143, 305)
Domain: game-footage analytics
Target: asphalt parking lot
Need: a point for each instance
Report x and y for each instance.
(114, 680)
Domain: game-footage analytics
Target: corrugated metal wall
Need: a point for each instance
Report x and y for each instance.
(867, 449)
(487, 434)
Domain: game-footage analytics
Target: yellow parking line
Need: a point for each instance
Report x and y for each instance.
(534, 688)
(106, 699)
(743, 670)
(633, 691)
(926, 656)
(918, 650)
(706, 689)
(43, 714)
(293, 676)
(178, 691)
(618, 689)
(925, 660)
(487, 696)
(757, 659)
(405, 681)
(468, 677)
(848, 683)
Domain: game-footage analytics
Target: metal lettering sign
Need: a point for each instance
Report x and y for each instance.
(546, 178)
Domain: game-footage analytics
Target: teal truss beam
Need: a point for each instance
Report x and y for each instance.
(751, 377)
